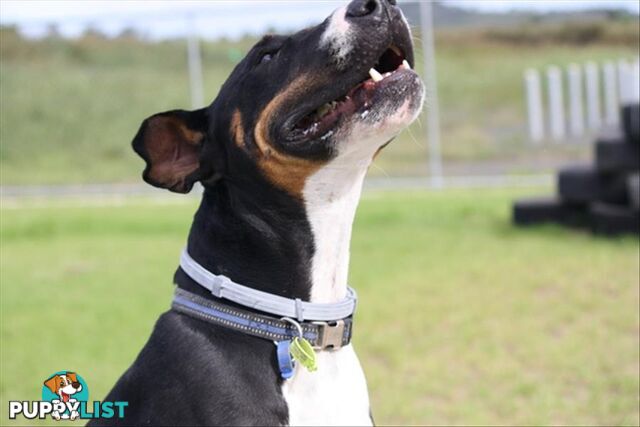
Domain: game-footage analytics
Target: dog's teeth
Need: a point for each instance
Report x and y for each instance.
(406, 65)
(323, 109)
(326, 135)
(375, 75)
(329, 106)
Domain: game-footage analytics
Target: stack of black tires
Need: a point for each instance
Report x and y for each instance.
(605, 196)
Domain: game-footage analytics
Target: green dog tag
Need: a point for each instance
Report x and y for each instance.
(302, 351)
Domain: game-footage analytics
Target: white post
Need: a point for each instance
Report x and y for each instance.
(612, 112)
(534, 105)
(576, 115)
(624, 82)
(593, 96)
(195, 67)
(556, 104)
(433, 115)
(635, 82)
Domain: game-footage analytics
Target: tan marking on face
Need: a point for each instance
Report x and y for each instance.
(237, 130)
(287, 172)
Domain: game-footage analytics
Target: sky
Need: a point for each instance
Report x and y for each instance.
(545, 6)
(211, 19)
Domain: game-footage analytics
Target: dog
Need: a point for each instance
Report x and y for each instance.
(65, 386)
(281, 154)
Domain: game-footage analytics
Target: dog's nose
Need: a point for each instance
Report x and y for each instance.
(364, 8)
(76, 385)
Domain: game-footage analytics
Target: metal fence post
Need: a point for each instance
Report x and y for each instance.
(195, 66)
(433, 115)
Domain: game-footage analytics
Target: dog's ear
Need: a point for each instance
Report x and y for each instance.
(72, 376)
(171, 143)
(53, 384)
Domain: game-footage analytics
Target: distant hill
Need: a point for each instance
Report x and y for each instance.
(446, 16)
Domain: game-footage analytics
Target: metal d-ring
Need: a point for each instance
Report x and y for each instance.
(296, 324)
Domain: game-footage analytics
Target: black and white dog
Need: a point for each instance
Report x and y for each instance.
(281, 153)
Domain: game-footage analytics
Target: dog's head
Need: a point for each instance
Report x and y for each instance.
(294, 104)
(64, 385)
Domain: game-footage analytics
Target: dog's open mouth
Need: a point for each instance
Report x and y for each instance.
(321, 121)
(65, 396)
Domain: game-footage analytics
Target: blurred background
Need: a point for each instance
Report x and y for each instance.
(504, 325)
(79, 80)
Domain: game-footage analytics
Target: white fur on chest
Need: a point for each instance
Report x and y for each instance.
(335, 394)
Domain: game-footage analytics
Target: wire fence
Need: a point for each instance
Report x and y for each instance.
(104, 75)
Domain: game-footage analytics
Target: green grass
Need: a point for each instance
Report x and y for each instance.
(70, 108)
(463, 319)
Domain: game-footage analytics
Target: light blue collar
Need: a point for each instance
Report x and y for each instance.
(223, 287)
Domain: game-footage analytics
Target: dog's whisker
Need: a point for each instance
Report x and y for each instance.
(413, 138)
(381, 169)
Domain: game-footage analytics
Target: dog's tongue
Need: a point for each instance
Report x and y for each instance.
(65, 397)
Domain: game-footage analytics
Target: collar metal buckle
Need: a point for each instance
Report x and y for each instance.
(330, 335)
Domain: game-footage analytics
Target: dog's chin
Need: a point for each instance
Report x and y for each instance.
(393, 104)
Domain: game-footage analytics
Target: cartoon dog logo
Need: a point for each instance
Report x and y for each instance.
(64, 385)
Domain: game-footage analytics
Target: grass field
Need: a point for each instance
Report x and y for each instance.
(71, 107)
(463, 319)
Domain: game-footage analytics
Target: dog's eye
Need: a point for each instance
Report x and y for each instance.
(267, 57)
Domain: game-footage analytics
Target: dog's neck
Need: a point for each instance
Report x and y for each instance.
(276, 243)
(331, 198)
